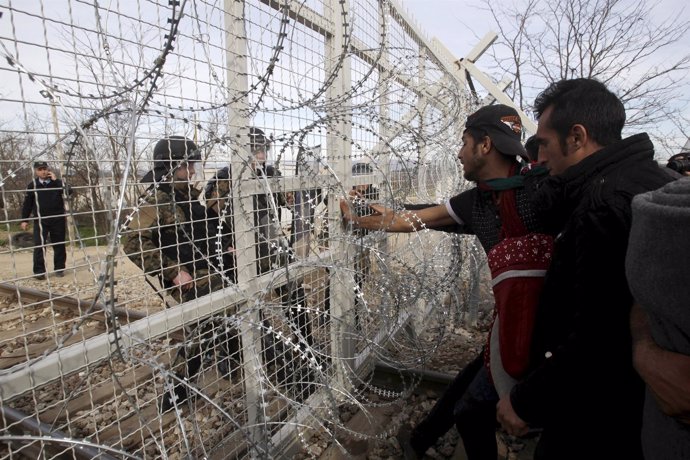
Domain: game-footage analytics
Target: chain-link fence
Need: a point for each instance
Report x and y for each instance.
(177, 281)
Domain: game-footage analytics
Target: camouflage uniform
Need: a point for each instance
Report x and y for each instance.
(171, 233)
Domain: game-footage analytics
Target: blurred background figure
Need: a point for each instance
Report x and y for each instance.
(44, 201)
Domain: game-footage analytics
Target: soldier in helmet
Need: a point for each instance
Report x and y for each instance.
(274, 249)
(172, 238)
(267, 206)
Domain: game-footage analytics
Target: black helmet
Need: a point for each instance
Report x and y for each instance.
(220, 180)
(360, 169)
(258, 140)
(172, 150)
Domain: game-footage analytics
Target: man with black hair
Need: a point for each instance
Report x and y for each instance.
(44, 200)
(680, 164)
(582, 388)
(491, 147)
(532, 148)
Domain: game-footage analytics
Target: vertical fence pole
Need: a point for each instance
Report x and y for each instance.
(339, 156)
(237, 83)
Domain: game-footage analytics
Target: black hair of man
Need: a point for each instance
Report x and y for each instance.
(258, 141)
(586, 102)
(532, 148)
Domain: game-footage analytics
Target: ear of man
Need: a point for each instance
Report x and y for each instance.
(579, 142)
(486, 145)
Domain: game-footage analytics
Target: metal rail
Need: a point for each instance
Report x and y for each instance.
(36, 295)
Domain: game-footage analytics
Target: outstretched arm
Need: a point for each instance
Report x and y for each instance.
(401, 221)
(667, 374)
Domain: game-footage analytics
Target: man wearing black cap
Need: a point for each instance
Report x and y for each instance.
(491, 146)
(44, 200)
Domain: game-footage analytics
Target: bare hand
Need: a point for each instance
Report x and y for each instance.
(24, 225)
(354, 193)
(52, 176)
(509, 420)
(667, 375)
(183, 280)
(346, 209)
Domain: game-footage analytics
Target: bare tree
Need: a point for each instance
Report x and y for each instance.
(15, 151)
(615, 41)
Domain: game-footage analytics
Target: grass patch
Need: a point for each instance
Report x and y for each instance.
(89, 238)
(86, 233)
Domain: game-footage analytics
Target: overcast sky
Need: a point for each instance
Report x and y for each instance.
(460, 25)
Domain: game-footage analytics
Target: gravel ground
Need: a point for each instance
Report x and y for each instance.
(459, 346)
(454, 349)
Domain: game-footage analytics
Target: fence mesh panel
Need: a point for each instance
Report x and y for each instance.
(181, 285)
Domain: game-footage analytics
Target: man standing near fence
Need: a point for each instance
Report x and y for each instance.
(491, 143)
(582, 388)
(173, 238)
(44, 201)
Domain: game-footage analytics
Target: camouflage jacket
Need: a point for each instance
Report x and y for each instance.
(169, 233)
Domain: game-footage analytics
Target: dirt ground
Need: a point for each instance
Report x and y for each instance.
(18, 265)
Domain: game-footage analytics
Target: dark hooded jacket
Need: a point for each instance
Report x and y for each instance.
(583, 388)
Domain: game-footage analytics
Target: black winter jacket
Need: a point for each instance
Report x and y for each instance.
(583, 389)
(43, 200)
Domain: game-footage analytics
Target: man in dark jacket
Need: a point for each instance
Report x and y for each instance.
(267, 206)
(44, 201)
(582, 388)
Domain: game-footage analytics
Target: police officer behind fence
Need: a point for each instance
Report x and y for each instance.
(44, 201)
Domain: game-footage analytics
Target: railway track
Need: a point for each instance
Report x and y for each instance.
(116, 402)
(36, 321)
